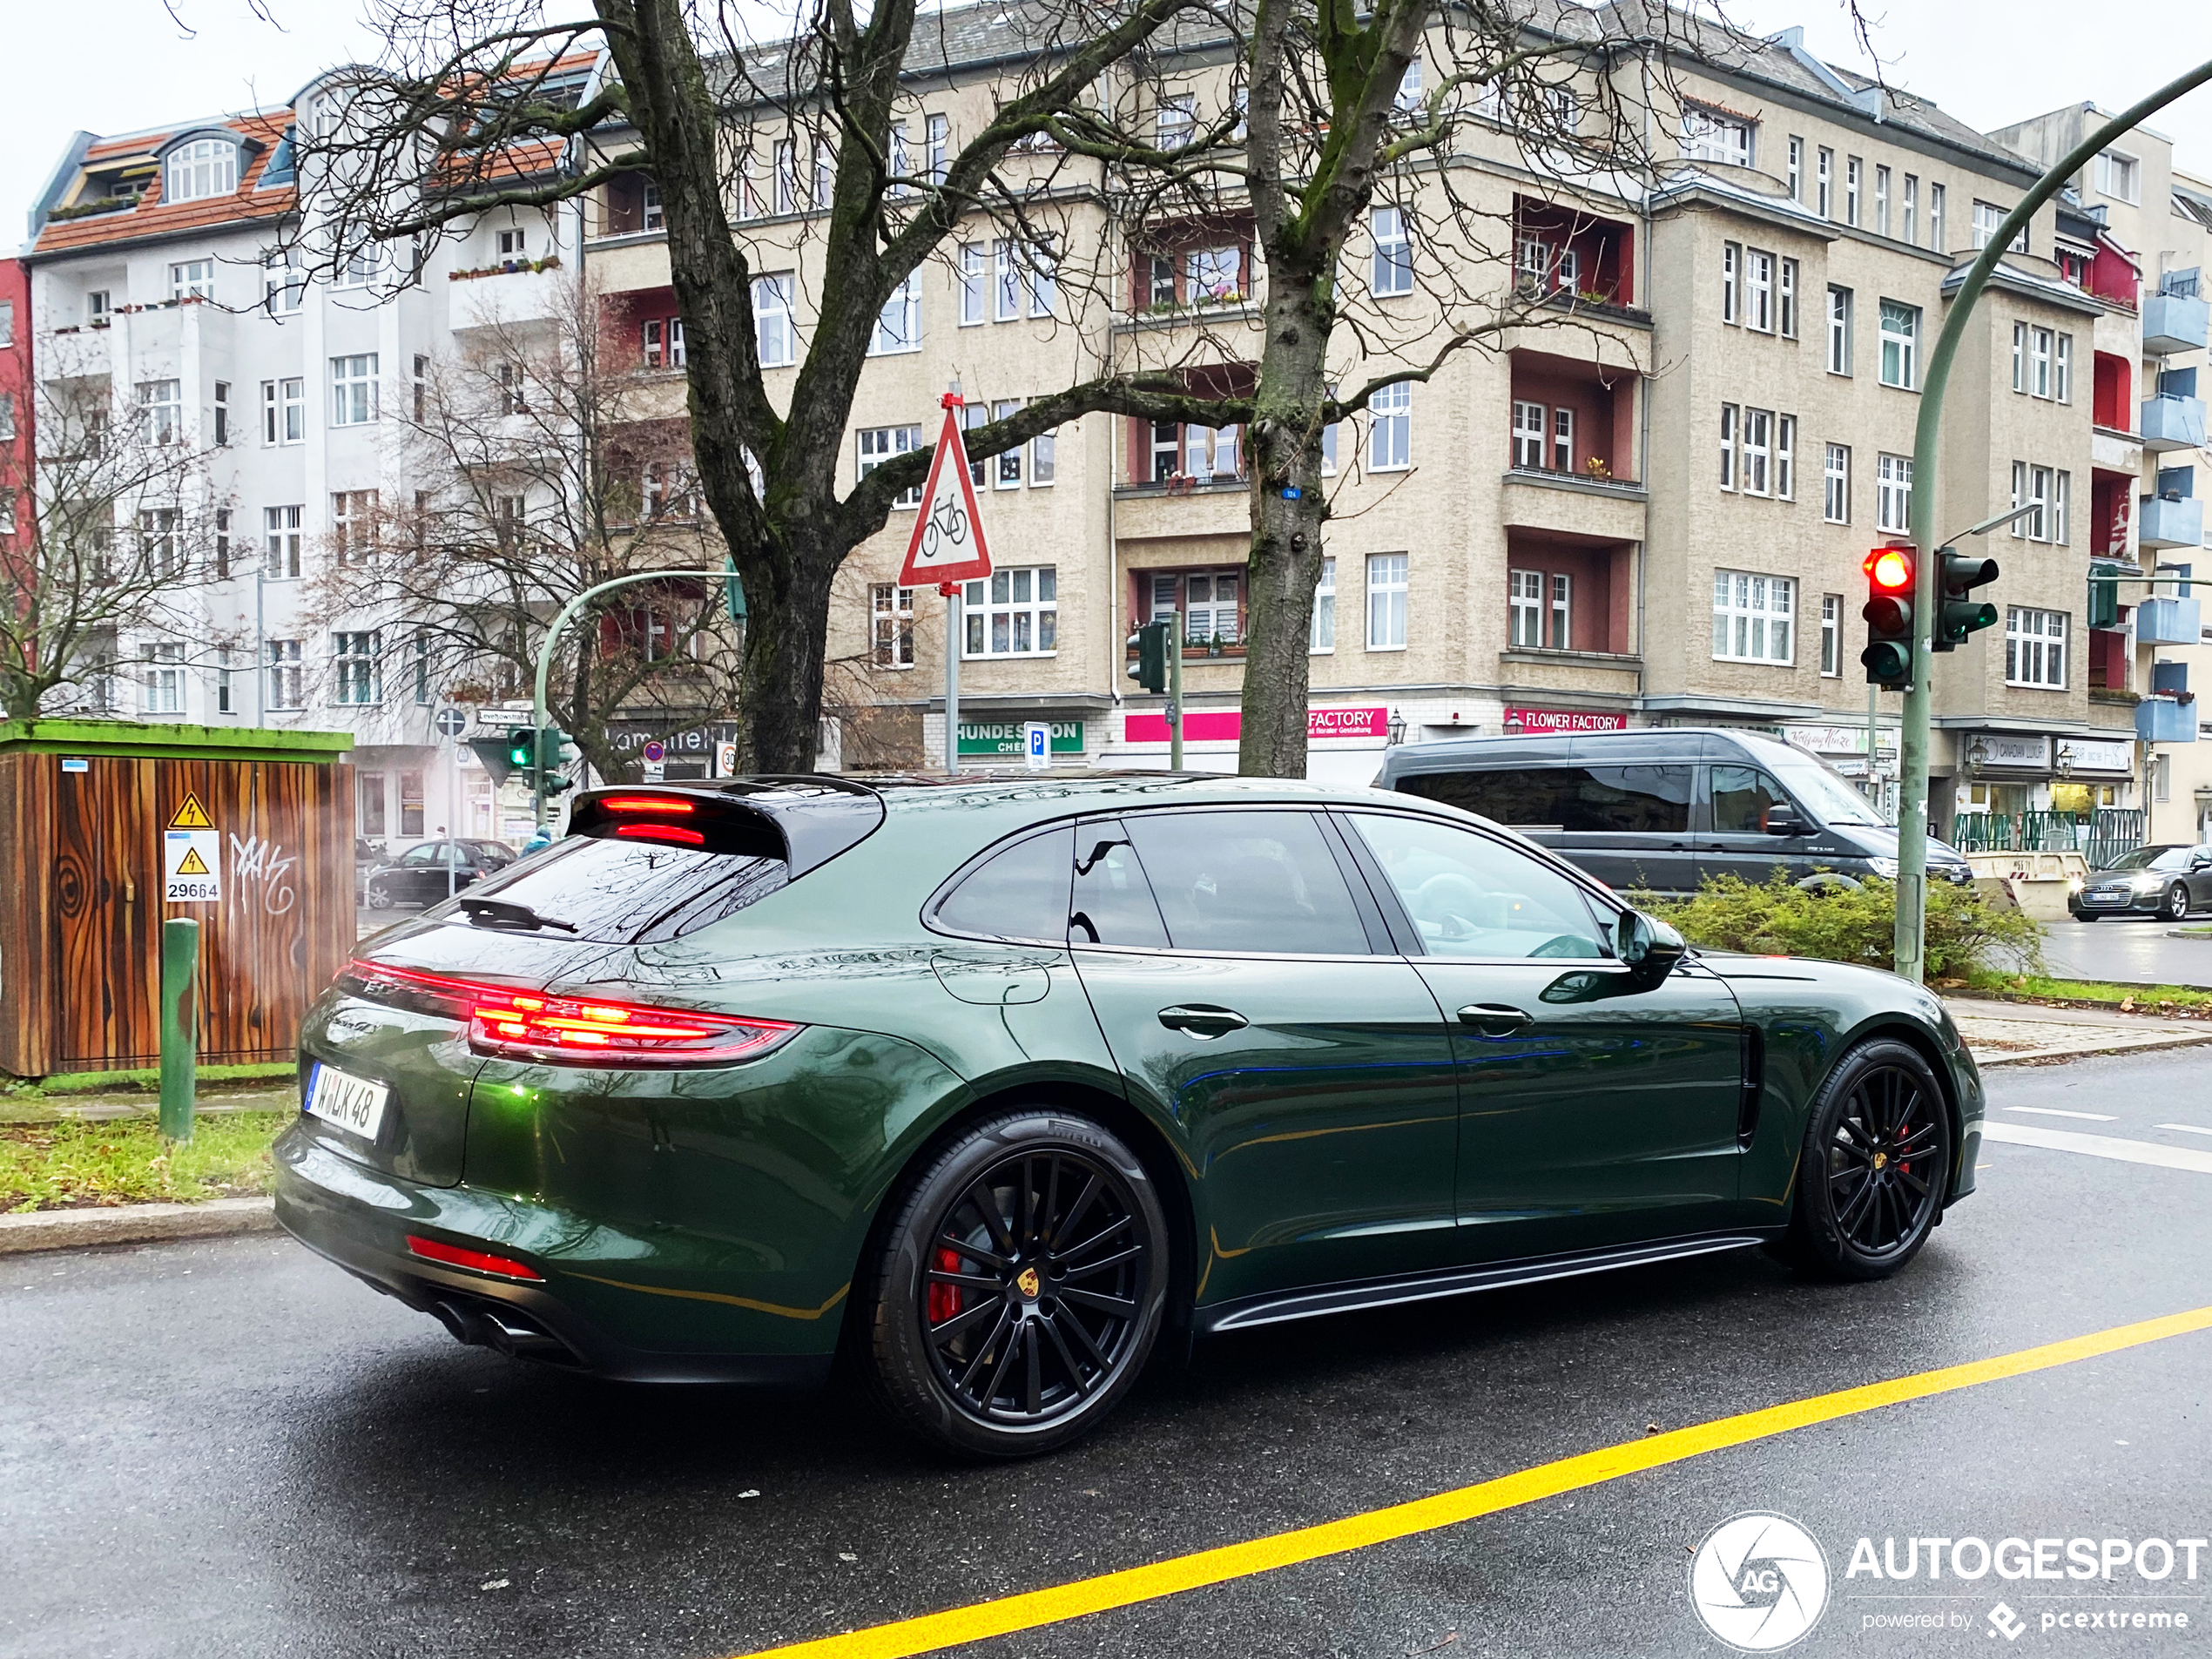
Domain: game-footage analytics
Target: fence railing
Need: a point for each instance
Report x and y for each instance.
(2099, 836)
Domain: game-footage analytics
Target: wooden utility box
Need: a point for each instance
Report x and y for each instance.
(86, 808)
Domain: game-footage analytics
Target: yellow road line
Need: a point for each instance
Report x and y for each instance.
(934, 1631)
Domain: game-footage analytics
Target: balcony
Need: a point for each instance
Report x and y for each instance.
(2172, 522)
(2174, 322)
(2166, 720)
(2169, 622)
(2173, 423)
(521, 291)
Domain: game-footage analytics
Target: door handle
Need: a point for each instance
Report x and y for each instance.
(1203, 1021)
(1495, 1019)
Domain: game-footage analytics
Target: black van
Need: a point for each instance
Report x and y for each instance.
(1667, 807)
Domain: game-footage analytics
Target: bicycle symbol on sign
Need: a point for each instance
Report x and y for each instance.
(948, 522)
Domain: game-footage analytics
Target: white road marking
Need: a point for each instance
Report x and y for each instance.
(2188, 1129)
(2052, 1111)
(2100, 1146)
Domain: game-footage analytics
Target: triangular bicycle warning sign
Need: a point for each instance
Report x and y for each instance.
(192, 814)
(190, 864)
(948, 541)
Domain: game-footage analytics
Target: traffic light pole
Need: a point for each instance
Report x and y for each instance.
(1912, 741)
(1175, 690)
(561, 619)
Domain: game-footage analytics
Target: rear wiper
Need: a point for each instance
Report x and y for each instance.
(499, 913)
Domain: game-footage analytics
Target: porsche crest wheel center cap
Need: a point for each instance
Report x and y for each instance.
(1881, 1160)
(1027, 1283)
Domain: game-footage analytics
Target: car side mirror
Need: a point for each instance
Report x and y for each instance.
(1781, 819)
(1649, 946)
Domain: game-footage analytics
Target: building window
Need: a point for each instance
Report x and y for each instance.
(940, 138)
(161, 411)
(1044, 459)
(1390, 447)
(224, 701)
(669, 491)
(410, 803)
(2119, 177)
(1894, 493)
(359, 268)
(1789, 300)
(1832, 635)
(661, 340)
(1751, 617)
(1881, 201)
(2162, 778)
(652, 213)
(776, 339)
(1409, 100)
(369, 792)
(878, 444)
(784, 168)
(280, 543)
(2019, 357)
(1393, 272)
(892, 614)
(287, 687)
(1562, 440)
(2063, 370)
(1709, 136)
(353, 524)
(421, 388)
(1852, 168)
(512, 243)
(1987, 217)
(1908, 211)
(1207, 602)
(1525, 595)
(1732, 261)
(1835, 495)
(976, 277)
(1839, 331)
(2061, 488)
(160, 550)
(1529, 420)
(1901, 344)
(1323, 636)
(2035, 648)
(222, 415)
(1796, 168)
(1824, 183)
(1385, 602)
(1562, 597)
(1008, 473)
(284, 411)
(1935, 217)
(1729, 413)
(359, 677)
(222, 544)
(2039, 362)
(1785, 457)
(1758, 442)
(353, 389)
(208, 167)
(1012, 613)
(165, 679)
(1758, 290)
(898, 326)
(284, 283)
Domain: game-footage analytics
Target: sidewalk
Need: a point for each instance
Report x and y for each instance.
(2012, 1033)
(45, 1108)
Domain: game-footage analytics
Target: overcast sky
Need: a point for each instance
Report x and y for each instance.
(115, 65)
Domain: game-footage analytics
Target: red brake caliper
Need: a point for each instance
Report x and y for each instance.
(944, 1299)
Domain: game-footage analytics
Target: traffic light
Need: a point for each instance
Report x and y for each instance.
(497, 756)
(1957, 615)
(521, 746)
(1888, 655)
(1150, 667)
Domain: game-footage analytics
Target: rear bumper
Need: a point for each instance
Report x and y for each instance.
(360, 1219)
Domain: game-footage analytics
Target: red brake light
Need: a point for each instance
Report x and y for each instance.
(644, 804)
(1890, 569)
(475, 1260)
(527, 1024)
(675, 835)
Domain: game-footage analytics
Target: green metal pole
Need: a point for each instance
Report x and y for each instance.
(1175, 690)
(1912, 742)
(179, 1027)
(561, 620)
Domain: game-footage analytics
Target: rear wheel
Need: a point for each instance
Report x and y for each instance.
(380, 896)
(1021, 1287)
(1875, 1166)
(2177, 902)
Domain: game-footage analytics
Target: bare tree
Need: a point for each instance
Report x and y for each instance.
(118, 533)
(534, 476)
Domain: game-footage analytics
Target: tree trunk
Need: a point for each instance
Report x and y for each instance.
(1288, 509)
(786, 643)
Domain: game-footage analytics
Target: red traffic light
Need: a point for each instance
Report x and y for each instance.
(1890, 569)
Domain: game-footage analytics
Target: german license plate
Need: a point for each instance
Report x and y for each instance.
(355, 1104)
(2106, 898)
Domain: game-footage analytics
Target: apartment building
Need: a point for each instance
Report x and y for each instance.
(1649, 504)
(154, 294)
(18, 404)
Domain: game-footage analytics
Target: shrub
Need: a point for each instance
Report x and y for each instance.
(1965, 930)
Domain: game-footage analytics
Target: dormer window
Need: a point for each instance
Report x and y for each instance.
(204, 167)
(1707, 135)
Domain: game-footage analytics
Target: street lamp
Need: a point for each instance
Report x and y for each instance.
(1977, 757)
(2064, 760)
(1396, 729)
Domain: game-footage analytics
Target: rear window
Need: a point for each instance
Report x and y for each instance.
(1646, 800)
(634, 893)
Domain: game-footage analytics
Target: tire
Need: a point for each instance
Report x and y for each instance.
(380, 896)
(2176, 907)
(1877, 1124)
(1057, 1356)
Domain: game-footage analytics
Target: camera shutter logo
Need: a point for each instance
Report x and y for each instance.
(1759, 1582)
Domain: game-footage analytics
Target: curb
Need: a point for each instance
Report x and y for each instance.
(2036, 1055)
(135, 1224)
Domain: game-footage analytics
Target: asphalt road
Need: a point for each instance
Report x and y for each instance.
(231, 1449)
(2130, 950)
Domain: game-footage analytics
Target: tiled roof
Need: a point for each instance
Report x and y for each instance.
(152, 216)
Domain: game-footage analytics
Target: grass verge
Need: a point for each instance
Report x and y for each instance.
(2037, 987)
(148, 1078)
(78, 1166)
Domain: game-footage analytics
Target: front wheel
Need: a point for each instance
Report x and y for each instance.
(1021, 1287)
(2176, 907)
(380, 896)
(1875, 1166)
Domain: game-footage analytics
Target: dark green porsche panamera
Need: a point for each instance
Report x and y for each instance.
(993, 1086)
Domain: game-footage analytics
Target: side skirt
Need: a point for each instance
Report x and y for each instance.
(1253, 1311)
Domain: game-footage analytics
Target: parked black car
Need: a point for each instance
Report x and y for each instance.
(1665, 809)
(418, 875)
(2167, 881)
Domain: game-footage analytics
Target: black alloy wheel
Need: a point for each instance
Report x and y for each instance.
(2177, 902)
(380, 896)
(1022, 1286)
(1875, 1167)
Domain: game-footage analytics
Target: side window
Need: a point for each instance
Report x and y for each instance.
(1470, 896)
(1020, 892)
(1112, 902)
(428, 853)
(1741, 797)
(1648, 801)
(1248, 881)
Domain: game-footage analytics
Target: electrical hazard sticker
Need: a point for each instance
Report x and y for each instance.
(191, 865)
